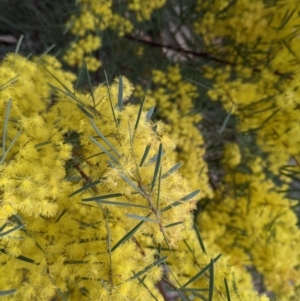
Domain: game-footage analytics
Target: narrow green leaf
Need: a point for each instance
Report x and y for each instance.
(61, 215)
(120, 94)
(104, 150)
(146, 269)
(139, 114)
(103, 197)
(191, 195)
(42, 143)
(172, 170)
(47, 51)
(105, 202)
(157, 166)
(133, 185)
(147, 288)
(19, 44)
(211, 280)
(133, 153)
(199, 238)
(201, 297)
(110, 100)
(2, 234)
(227, 290)
(225, 122)
(199, 274)
(174, 204)
(146, 152)
(149, 114)
(21, 257)
(70, 95)
(103, 137)
(182, 295)
(5, 125)
(85, 187)
(127, 236)
(10, 146)
(60, 82)
(154, 158)
(141, 218)
(10, 81)
(173, 224)
(8, 292)
(90, 84)
(84, 111)
(178, 203)
(158, 190)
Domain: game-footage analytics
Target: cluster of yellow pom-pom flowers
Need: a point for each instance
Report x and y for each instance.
(90, 204)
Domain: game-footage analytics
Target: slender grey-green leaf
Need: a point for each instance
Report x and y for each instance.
(211, 280)
(146, 152)
(47, 51)
(199, 238)
(10, 146)
(225, 122)
(157, 166)
(182, 295)
(154, 158)
(173, 224)
(191, 195)
(139, 114)
(67, 93)
(174, 204)
(104, 149)
(149, 114)
(120, 94)
(9, 82)
(127, 236)
(60, 82)
(90, 84)
(8, 292)
(103, 197)
(105, 202)
(85, 187)
(133, 185)
(84, 111)
(227, 290)
(110, 100)
(158, 190)
(147, 288)
(61, 215)
(21, 257)
(146, 269)
(42, 143)
(2, 234)
(103, 137)
(201, 296)
(133, 153)
(141, 218)
(178, 203)
(19, 44)
(5, 125)
(200, 273)
(171, 170)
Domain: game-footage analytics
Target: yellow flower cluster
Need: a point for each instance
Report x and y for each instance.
(94, 16)
(190, 260)
(144, 9)
(248, 30)
(59, 237)
(256, 225)
(265, 98)
(173, 99)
